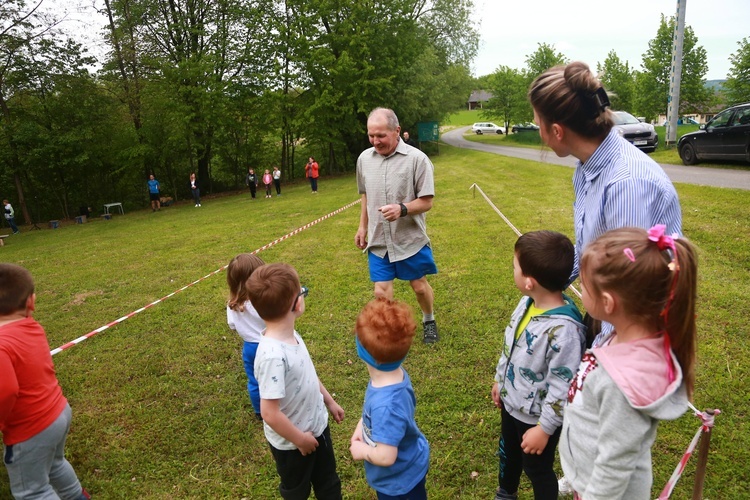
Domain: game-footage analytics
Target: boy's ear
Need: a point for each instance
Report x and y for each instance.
(30, 304)
(529, 283)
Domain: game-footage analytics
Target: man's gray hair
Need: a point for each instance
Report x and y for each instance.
(390, 117)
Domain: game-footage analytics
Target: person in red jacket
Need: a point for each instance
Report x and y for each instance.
(311, 172)
(34, 415)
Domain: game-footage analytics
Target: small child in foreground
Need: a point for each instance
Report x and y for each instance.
(293, 400)
(644, 284)
(541, 350)
(34, 415)
(244, 319)
(395, 452)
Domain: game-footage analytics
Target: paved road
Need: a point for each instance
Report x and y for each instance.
(704, 176)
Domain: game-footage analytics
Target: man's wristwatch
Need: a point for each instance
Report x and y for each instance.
(404, 211)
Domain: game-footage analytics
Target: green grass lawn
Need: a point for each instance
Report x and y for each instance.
(160, 403)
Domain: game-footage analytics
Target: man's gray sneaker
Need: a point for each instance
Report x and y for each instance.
(430, 332)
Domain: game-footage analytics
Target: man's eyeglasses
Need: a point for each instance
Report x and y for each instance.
(302, 293)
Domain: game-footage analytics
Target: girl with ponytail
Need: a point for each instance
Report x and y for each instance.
(644, 284)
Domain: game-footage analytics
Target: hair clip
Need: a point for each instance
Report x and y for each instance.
(629, 254)
(601, 98)
(595, 102)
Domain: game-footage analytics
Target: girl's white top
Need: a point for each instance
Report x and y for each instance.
(247, 323)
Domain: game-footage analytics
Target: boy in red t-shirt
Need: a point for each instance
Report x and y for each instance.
(34, 414)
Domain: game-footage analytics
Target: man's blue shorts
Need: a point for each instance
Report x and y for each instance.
(413, 268)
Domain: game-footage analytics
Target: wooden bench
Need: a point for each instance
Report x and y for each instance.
(2, 239)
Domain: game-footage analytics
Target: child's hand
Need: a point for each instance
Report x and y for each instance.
(357, 434)
(534, 441)
(308, 444)
(359, 449)
(336, 411)
(496, 395)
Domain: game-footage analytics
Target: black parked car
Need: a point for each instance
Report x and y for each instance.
(725, 137)
(641, 135)
(524, 127)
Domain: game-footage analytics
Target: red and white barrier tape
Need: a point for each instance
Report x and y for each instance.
(130, 315)
(707, 423)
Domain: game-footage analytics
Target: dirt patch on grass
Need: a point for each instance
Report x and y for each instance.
(80, 298)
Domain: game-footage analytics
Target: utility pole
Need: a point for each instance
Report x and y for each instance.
(673, 101)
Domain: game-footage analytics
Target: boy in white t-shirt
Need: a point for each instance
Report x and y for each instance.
(293, 401)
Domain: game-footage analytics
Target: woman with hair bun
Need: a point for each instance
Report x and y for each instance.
(616, 184)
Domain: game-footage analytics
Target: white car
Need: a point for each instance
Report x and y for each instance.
(487, 127)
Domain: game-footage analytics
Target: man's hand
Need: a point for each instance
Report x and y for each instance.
(534, 441)
(360, 239)
(390, 212)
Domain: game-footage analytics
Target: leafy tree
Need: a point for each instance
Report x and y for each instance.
(508, 103)
(652, 83)
(619, 81)
(353, 57)
(34, 57)
(542, 59)
(737, 86)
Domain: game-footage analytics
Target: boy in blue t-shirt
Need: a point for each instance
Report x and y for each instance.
(395, 452)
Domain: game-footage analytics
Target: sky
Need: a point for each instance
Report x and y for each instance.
(587, 30)
(584, 30)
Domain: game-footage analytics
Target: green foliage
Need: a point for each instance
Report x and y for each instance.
(542, 59)
(215, 87)
(508, 103)
(652, 83)
(618, 80)
(737, 85)
(160, 408)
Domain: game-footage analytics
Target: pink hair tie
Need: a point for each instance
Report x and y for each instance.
(663, 241)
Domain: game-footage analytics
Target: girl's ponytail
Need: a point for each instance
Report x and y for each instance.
(679, 312)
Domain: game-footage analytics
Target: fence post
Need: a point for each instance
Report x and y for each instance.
(700, 471)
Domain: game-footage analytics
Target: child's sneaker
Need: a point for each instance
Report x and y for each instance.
(564, 488)
(430, 332)
(501, 494)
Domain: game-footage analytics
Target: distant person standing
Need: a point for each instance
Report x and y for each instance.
(277, 180)
(195, 190)
(154, 192)
(408, 140)
(252, 182)
(397, 187)
(311, 172)
(267, 180)
(10, 216)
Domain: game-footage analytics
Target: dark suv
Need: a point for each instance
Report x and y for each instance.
(725, 137)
